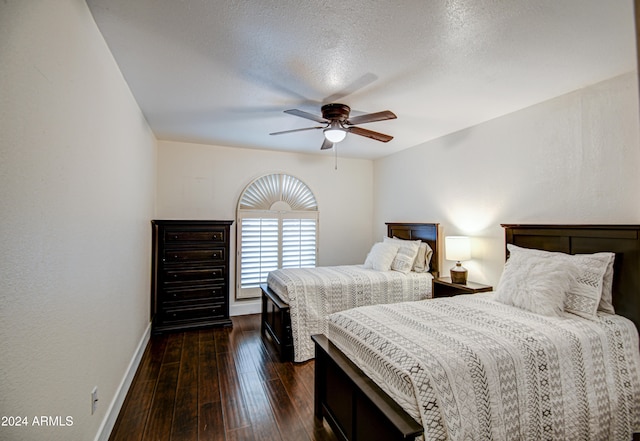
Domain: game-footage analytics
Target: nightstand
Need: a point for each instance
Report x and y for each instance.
(444, 287)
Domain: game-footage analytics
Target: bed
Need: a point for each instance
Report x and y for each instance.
(296, 302)
(599, 357)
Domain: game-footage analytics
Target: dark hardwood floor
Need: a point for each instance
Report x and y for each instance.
(219, 384)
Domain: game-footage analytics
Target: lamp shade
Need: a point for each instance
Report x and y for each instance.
(335, 132)
(457, 248)
(334, 135)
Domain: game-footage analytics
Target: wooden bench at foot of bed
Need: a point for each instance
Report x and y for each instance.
(276, 323)
(353, 405)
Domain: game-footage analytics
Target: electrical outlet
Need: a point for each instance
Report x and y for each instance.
(94, 400)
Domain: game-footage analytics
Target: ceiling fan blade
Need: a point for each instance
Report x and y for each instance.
(307, 115)
(296, 130)
(326, 144)
(370, 134)
(371, 117)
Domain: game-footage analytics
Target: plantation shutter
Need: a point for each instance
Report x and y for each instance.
(278, 228)
(259, 243)
(298, 243)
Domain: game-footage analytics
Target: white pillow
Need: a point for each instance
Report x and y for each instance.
(406, 256)
(536, 284)
(381, 256)
(586, 290)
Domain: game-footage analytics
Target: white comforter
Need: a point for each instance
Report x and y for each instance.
(470, 368)
(314, 293)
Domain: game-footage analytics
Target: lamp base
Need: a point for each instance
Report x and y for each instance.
(459, 274)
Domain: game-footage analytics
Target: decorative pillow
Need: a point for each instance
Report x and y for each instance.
(407, 252)
(422, 264)
(585, 292)
(381, 256)
(536, 284)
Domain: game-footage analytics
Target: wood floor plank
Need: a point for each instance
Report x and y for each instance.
(132, 419)
(208, 381)
(292, 376)
(161, 416)
(152, 359)
(211, 422)
(264, 362)
(185, 417)
(221, 338)
(233, 402)
(173, 351)
(287, 417)
(259, 408)
(133, 416)
(241, 434)
(244, 353)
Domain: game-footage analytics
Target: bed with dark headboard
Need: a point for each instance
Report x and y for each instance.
(357, 409)
(623, 240)
(276, 318)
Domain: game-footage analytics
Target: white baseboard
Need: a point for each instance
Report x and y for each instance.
(116, 404)
(246, 307)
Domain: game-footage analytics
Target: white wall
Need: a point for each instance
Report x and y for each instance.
(205, 182)
(573, 159)
(77, 173)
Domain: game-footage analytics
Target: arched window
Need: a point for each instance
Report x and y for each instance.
(277, 228)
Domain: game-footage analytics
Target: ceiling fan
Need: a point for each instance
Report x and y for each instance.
(337, 123)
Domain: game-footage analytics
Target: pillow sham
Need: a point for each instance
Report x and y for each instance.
(585, 292)
(536, 284)
(606, 301)
(406, 256)
(381, 256)
(422, 264)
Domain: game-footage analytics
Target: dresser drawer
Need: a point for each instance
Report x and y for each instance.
(194, 236)
(212, 312)
(188, 296)
(212, 254)
(199, 275)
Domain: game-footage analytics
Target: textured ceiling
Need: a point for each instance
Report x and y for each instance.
(223, 71)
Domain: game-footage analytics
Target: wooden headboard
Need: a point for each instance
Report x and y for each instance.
(623, 240)
(428, 233)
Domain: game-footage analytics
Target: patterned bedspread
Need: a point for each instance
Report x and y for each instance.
(468, 367)
(314, 293)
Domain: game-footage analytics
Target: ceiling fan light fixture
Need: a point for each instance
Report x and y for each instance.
(337, 123)
(334, 132)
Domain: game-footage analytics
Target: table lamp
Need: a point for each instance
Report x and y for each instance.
(458, 248)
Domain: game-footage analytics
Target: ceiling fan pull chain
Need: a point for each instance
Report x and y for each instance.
(335, 152)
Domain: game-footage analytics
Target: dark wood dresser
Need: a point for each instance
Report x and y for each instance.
(190, 274)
